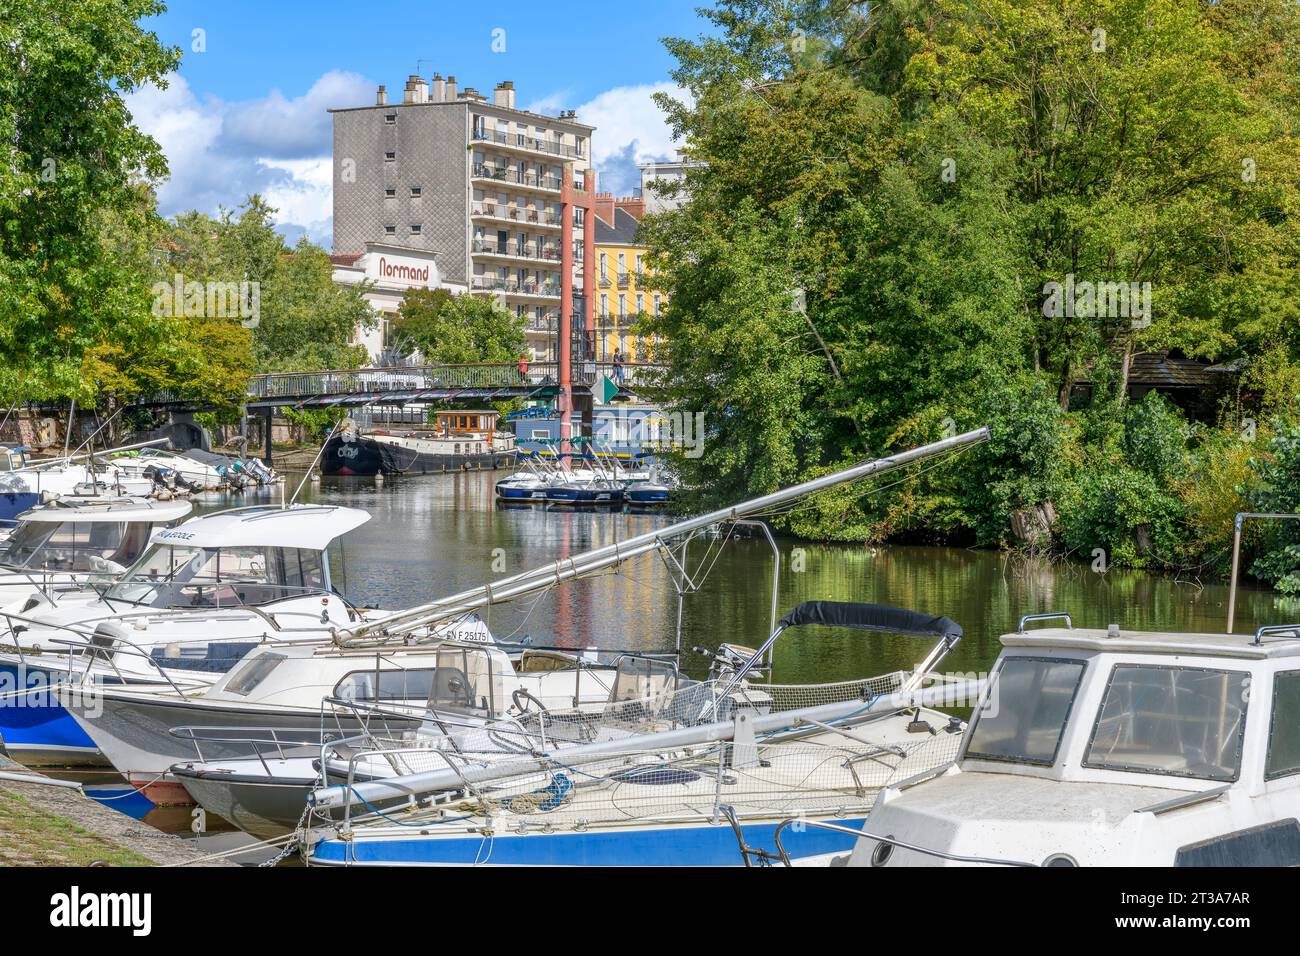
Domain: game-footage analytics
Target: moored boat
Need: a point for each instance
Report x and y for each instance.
(461, 440)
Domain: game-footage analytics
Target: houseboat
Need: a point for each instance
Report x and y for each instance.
(461, 440)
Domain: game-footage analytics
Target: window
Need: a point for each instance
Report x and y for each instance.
(658, 300)
(1181, 721)
(416, 229)
(390, 118)
(415, 191)
(1272, 844)
(245, 680)
(393, 685)
(390, 154)
(390, 230)
(540, 433)
(604, 264)
(390, 192)
(1026, 709)
(1284, 727)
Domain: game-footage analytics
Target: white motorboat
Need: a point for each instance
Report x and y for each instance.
(26, 483)
(62, 546)
(201, 596)
(1109, 747)
(672, 777)
(280, 691)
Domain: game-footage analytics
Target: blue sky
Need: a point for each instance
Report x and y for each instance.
(247, 112)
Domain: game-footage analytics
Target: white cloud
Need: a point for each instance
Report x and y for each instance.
(218, 152)
(630, 129)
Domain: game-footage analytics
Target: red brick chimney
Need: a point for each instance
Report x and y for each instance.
(604, 207)
(634, 206)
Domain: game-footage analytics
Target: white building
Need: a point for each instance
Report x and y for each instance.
(391, 270)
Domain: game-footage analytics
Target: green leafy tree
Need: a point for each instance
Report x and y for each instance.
(69, 154)
(462, 329)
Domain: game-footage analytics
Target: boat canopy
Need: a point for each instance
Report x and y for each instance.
(308, 527)
(870, 617)
(107, 509)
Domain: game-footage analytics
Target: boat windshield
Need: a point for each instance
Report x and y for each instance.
(101, 546)
(1181, 721)
(1024, 714)
(180, 576)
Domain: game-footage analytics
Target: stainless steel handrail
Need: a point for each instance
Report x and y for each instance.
(1050, 616)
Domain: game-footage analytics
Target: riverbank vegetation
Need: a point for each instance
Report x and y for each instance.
(909, 219)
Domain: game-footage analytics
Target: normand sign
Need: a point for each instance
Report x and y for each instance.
(401, 270)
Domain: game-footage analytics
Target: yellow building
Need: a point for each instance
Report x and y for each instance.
(624, 289)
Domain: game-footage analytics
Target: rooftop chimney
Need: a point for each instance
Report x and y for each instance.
(504, 94)
(381, 96)
(419, 89)
(605, 207)
(439, 91)
(451, 88)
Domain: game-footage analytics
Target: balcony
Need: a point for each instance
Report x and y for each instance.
(622, 280)
(528, 144)
(515, 177)
(529, 251)
(512, 286)
(543, 219)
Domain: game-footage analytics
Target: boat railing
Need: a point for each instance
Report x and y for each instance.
(120, 646)
(260, 740)
(1292, 629)
(765, 857)
(1049, 616)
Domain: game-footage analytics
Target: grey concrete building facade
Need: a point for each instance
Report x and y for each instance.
(480, 184)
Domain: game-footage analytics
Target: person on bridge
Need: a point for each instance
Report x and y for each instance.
(523, 367)
(618, 366)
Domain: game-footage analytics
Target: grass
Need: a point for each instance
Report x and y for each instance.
(31, 836)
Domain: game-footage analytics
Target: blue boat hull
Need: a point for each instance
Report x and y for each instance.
(585, 496)
(14, 503)
(36, 729)
(516, 493)
(696, 845)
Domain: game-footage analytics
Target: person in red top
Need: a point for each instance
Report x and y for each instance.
(523, 367)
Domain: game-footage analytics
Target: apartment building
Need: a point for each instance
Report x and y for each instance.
(500, 195)
(625, 288)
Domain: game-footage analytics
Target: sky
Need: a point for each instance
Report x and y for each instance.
(246, 111)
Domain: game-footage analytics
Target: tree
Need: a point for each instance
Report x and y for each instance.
(455, 330)
(308, 321)
(69, 154)
(920, 173)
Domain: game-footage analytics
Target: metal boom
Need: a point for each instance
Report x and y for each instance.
(588, 562)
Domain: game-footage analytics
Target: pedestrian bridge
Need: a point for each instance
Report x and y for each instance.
(431, 383)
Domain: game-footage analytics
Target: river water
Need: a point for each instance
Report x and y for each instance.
(433, 536)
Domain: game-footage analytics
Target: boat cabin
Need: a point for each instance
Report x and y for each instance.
(462, 422)
(13, 457)
(95, 534)
(1114, 747)
(243, 557)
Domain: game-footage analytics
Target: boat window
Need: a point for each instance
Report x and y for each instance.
(1284, 727)
(1181, 721)
(105, 546)
(181, 576)
(393, 685)
(1272, 844)
(463, 681)
(245, 680)
(1024, 714)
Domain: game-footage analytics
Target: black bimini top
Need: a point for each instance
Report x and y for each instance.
(871, 617)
